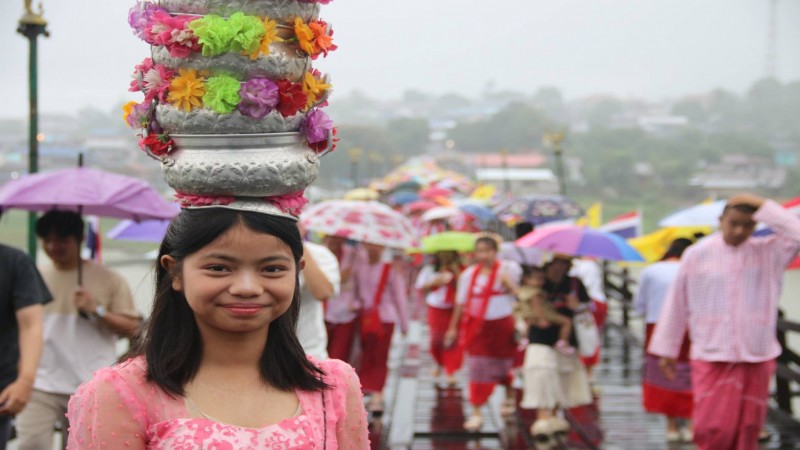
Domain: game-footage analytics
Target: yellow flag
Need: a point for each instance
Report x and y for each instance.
(593, 217)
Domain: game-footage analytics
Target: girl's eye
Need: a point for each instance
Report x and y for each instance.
(274, 269)
(216, 268)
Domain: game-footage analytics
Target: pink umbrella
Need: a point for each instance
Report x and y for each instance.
(370, 221)
(419, 206)
(580, 241)
(433, 192)
(87, 191)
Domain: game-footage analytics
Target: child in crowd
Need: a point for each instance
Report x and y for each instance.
(533, 309)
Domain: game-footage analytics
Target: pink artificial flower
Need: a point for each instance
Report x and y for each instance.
(138, 74)
(316, 126)
(156, 83)
(172, 33)
(139, 18)
(187, 200)
(291, 203)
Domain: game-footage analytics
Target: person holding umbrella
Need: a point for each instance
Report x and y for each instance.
(485, 300)
(82, 325)
(438, 282)
(381, 295)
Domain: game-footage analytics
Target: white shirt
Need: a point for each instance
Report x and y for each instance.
(311, 325)
(501, 305)
(592, 277)
(654, 283)
(435, 297)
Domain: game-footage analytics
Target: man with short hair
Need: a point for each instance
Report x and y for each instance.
(22, 293)
(726, 293)
(81, 326)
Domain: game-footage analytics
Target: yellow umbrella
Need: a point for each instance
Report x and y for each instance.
(363, 194)
(653, 246)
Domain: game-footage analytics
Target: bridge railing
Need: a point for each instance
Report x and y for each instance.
(619, 286)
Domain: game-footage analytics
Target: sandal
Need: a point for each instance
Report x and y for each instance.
(376, 408)
(542, 432)
(508, 408)
(473, 424)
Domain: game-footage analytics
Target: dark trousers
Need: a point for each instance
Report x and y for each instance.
(5, 431)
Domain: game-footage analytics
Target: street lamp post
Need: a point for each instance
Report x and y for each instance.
(32, 25)
(555, 140)
(355, 154)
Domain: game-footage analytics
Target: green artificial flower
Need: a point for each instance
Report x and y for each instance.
(222, 94)
(213, 33)
(247, 33)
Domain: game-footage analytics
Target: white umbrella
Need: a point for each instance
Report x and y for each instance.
(364, 221)
(702, 215)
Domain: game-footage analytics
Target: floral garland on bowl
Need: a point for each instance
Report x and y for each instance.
(214, 35)
(291, 203)
(191, 89)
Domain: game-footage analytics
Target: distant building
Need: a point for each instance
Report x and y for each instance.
(737, 173)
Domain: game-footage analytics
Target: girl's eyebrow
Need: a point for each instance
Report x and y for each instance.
(229, 258)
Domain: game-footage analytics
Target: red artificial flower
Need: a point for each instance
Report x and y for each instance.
(159, 144)
(292, 98)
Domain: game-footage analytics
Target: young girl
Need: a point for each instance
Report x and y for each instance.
(220, 365)
(533, 308)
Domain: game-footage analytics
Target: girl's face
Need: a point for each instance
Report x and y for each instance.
(535, 279)
(239, 283)
(485, 254)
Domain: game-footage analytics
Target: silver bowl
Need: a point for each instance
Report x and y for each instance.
(205, 121)
(242, 165)
(285, 61)
(284, 11)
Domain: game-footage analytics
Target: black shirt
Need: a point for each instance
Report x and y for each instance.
(556, 294)
(21, 285)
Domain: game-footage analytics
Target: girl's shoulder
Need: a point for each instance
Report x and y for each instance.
(338, 373)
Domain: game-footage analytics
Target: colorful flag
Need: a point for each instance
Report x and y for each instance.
(628, 225)
(593, 217)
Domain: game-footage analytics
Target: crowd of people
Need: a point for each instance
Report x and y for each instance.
(248, 312)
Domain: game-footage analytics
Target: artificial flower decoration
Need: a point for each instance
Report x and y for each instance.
(323, 38)
(259, 97)
(137, 115)
(270, 36)
(222, 94)
(248, 31)
(139, 18)
(138, 74)
(186, 200)
(314, 87)
(292, 98)
(316, 126)
(213, 33)
(172, 32)
(127, 109)
(156, 82)
(159, 144)
(304, 35)
(291, 203)
(186, 90)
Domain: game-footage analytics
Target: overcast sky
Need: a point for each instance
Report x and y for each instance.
(630, 48)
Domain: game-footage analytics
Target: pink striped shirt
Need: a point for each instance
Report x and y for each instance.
(728, 296)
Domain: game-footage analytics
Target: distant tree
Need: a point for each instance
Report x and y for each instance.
(516, 127)
(408, 136)
(550, 100)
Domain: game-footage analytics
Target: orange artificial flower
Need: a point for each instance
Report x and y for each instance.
(187, 89)
(305, 36)
(323, 43)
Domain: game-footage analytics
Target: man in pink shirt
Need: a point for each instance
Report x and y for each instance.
(726, 293)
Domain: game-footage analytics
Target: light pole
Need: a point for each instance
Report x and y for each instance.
(354, 153)
(506, 180)
(555, 140)
(32, 25)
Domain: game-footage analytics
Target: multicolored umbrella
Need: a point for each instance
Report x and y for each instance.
(580, 241)
(364, 221)
(538, 209)
(362, 194)
(449, 241)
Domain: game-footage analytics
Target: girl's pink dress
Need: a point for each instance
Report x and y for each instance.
(119, 409)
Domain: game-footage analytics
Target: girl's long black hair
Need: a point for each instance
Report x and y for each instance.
(172, 345)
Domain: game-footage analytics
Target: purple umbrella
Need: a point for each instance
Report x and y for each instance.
(145, 231)
(86, 191)
(580, 241)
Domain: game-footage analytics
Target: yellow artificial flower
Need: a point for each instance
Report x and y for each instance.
(314, 88)
(270, 36)
(187, 89)
(127, 108)
(305, 36)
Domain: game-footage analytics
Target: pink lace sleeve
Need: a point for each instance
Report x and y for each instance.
(101, 415)
(351, 426)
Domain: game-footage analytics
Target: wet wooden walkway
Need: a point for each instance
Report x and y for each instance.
(423, 414)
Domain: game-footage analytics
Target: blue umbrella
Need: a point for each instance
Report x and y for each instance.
(403, 198)
(482, 213)
(539, 209)
(580, 241)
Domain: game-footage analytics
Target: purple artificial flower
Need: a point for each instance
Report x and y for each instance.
(140, 17)
(316, 126)
(139, 118)
(259, 97)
